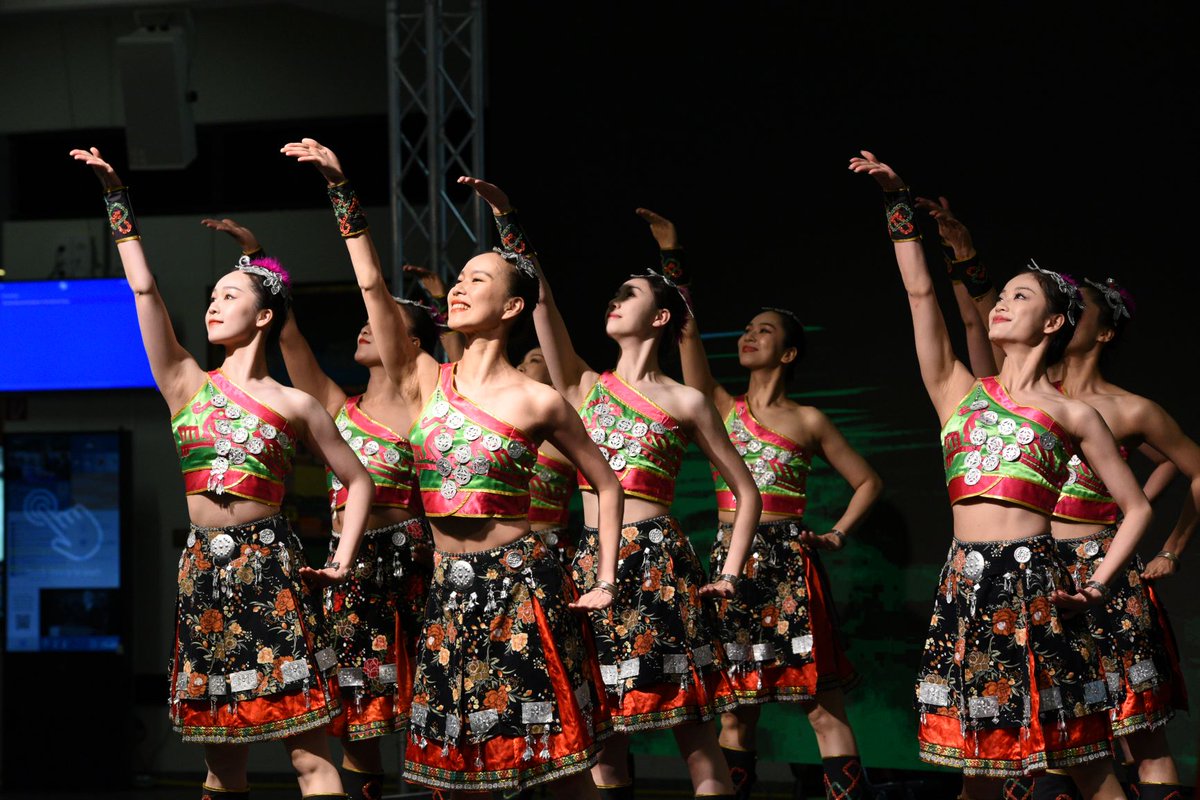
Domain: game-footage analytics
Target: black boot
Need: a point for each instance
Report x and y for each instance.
(615, 792)
(741, 770)
(844, 778)
(1159, 791)
(1055, 786)
(362, 785)
(209, 793)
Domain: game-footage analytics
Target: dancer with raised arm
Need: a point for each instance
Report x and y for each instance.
(659, 652)
(779, 629)
(251, 659)
(1009, 686)
(555, 481)
(376, 615)
(503, 696)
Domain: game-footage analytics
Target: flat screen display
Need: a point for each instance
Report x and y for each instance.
(62, 526)
(70, 334)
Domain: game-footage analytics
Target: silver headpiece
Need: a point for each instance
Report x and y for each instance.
(1067, 287)
(652, 272)
(271, 280)
(1112, 295)
(523, 263)
(785, 312)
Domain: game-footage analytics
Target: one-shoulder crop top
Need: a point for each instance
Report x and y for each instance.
(780, 466)
(642, 443)
(998, 449)
(554, 483)
(230, 443)
(1084, 496)
(469, 463)
(386, 455)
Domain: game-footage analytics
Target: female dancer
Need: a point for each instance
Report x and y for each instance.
(250, 659)
(1008, 686)
(658, 648)
(503, 694)
(1140, 660)
(554, 482)
(375, 616)
(779, 629)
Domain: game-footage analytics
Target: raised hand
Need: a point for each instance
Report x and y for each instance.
(240, 233)
(952, 231)
(490, 192)
(718, 589)
(430, 281)
(883, 174)
(595, 600)
(310, 151)
(661, 228)
(104, 171)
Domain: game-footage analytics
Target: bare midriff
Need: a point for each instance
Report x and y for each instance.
(209, 510)
(1069, 529)
(380, 517)
(469, 535)
(636, 509)
(989, 520)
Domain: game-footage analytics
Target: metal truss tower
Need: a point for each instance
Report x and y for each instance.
(435, 120)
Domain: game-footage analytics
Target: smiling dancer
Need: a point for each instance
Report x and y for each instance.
(1008, 685)
(1138, 649)
(503, 695)
(779, 630)
(250, 660)
(377, 614)
(658, 648)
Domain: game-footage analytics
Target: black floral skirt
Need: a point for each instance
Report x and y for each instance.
(780, 631)
(1007, 686)
(504, 695)
(562, 542)
(375, 617)
(252, 660)
(1137, 644)
(660, 655)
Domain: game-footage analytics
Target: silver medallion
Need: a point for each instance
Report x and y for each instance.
(462, 453)
(444, 467)
(990, 462)
(974, 564)
(1011, 452)
(233, 412)
(616, 440)
(462, 475)
(624, 425)
(294, 671)
(356, 443)
(391, 456)
(973, 459)
(398, 538)
(221, 546)
(514, 559)
(244, 681)
(472, 432)
(461, 574)
(1072, 476)
(237, 456)
(933, 694)
(617, 462)
(655, 535)
(633, 449)
(979, 405)
(492, 442)
(219, 400)
(443, 441)
(449, 488)
(1025, 435)
(766, 479)
(978, 436)
(266, 536)
(638, 430)
(1049, 441)
(284, 441)
(769, 453)
(1091, 549)
(480, 465)
(1075, 461)
(606, 420)
(441, 408)
(994, 445)
(219, 465)
(1022, 555)
(1007, 427)
(598, 436)
(346, 434)
(658, 427)
(222, 446)
(741, 449)
(984, 706)
(191, 540)
(240, 435)
(517, 450)
(268, 432)
(223, 427)
(254, 445)
(989, 417)
(250, 422)
(755, 446)
(342, 423)
(456, 420)
(371, 447)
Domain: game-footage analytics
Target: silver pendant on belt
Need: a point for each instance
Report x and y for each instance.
(971, 601)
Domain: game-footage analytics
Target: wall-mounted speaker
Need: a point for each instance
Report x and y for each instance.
(159, 129)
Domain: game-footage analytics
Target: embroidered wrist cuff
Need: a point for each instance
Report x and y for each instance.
(674, 266)
(121, 221)
(512, 234)
(350, 217)
(973, 274)
(901, 215)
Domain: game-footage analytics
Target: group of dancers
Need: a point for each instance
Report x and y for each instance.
(457, 607)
